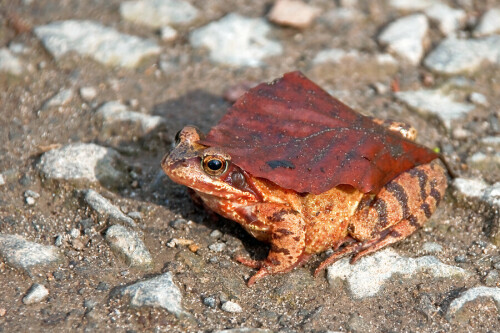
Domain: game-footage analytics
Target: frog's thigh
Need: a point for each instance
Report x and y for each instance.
(407, 131)
(401, 207)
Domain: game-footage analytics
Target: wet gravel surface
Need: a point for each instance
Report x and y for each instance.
(93, 236)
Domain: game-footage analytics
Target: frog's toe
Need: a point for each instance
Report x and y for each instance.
(257, 276)
(257, 264)
(349, 249)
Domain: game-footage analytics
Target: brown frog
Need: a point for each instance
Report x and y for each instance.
(298, 225)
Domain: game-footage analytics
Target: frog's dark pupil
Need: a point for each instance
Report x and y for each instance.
(214, 165)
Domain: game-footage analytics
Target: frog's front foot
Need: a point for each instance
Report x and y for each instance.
(257, 264)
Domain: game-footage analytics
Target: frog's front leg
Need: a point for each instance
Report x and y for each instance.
(281, 226)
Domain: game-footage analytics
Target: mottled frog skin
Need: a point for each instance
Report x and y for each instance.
(298, 225)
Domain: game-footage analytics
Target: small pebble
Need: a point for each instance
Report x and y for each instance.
(194, 247)
(210, 301)
(32, 194)
(135, 215)
(178, 224)
(478, 99)
(461, 259)
(30, 201)
(432, 247)
(35, 294)
(492, 278)
(2, 180)
(58, 241)
(217, 247)
(77, 244)
(88, 93)
(74, 233)
(102, 286)
(231, 307)
(2, 312)
(216, 234)
(168, 34)
(293, 13)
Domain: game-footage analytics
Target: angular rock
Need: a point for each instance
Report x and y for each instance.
(35, 294)
(489, 23)
(479, 99)
(158, 13)
(10, 63)
(455, 56)
(449, 19)
(81, 163)
(168, 33)
(293, 13)
(20, 253)
(236, 40)
(127, 244)
(88, 38)
(470, 295)
(159, 291)
(368, 276)
(436, 103)
(405, 37)
(63, 97)
(116, 118)
(105, 209)
(88, 93)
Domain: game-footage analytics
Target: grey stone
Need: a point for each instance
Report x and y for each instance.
(81, 163)
(31, 194)
(492, 278)
(35, 294)
(10, 63)
(432, 247)
(489, 23)
(88, 93)
(105, 209)
(435, 102)
(158, 13)
(449, 19)
(216, 234)
(159, 291)
(491, 140)
(334, 56)
(114, 115)
(455, 56)
(20, 253)
(487, 163)
(236, 40)
(210, 301)
(127, 244)
(472, 188)
(217, 247)
(74, 233)
(231, 307)
(405, 37)
(88, 38)
(63, 97)
(367, 277)
(2, 180)
(470, 295)
(340, 14)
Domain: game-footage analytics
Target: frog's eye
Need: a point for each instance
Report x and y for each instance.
(214, 165)
(178, 137)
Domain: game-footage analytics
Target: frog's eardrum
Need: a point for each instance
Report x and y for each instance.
(295, 134)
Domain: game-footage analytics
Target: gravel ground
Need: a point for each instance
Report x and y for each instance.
(93, 236)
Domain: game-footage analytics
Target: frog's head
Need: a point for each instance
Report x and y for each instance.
(207, 170)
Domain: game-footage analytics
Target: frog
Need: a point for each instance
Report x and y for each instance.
(299, 225)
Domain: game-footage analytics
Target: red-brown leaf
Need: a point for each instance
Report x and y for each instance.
(296, 135)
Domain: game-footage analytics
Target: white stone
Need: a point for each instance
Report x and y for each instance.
(88, 38)
(30, 201)
(334, 56)
(449, 19)
(35, 294)
(237, 40)
(114, 114)
(158, 13)
(340, 14)
(159, 291)
(367, 277)
(128, 245)
(10, 63)
(489, 23)
(20, 253)
(2, 180)
(455, 56)
(479, 99)
(63, 97)
(293, 13)
(472, 294)
(106, 209)
(168, 33)
(74, 233)
(473, 188)
(412, 5)
(488, 140)
(432, 247)
(231, 307)
(88, 93)
(217, 247)
(83, 162)
(435, 102)
(405, 37)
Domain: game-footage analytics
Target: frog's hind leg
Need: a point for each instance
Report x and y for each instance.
(400, 208)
